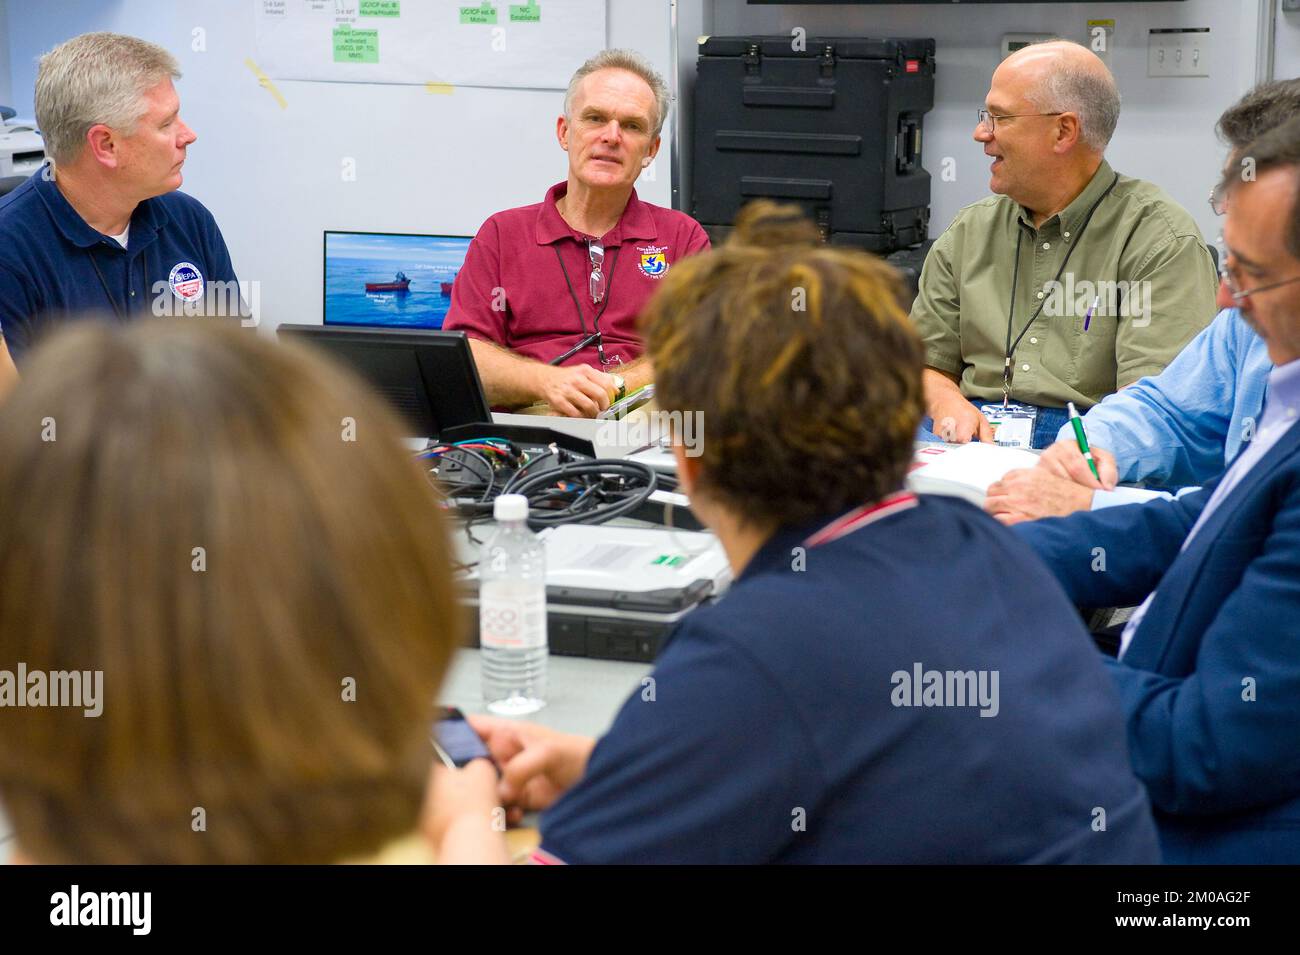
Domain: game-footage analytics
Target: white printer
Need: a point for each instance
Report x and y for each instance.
(22, 150)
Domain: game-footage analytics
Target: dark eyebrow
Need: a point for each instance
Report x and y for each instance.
(1241, 259)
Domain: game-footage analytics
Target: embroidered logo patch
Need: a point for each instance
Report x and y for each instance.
(654, 261)
(186, 281)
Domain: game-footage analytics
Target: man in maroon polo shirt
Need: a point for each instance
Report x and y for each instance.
(549, 293)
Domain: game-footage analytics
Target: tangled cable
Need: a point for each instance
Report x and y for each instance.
(574, 489)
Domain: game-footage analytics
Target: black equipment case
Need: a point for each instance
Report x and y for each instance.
(831, 123)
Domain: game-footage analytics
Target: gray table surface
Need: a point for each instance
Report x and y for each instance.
(583, 695)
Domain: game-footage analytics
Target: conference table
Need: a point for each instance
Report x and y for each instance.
(582, 696)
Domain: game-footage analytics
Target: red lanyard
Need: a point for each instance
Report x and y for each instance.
(860, 517)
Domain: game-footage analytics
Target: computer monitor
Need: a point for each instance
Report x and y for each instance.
(428, 376)
(390, 279)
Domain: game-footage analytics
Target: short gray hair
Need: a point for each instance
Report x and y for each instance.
(1090, 94)
(95, 78)
(628, 60)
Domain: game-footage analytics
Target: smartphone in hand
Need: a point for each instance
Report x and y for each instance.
(455, 741)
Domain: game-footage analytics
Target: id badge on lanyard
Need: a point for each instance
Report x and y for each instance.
(1013, 424)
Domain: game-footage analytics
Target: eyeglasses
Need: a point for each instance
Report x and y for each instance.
(596, 283)
(988, 120)
(1218, 200)
(1235, 292)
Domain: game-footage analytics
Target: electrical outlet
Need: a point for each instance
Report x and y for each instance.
(1179, 52)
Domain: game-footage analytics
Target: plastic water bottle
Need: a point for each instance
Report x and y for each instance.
(512, 612)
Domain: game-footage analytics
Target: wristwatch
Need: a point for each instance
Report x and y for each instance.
(621, 385)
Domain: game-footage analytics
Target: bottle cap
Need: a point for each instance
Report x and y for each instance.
(510, 507)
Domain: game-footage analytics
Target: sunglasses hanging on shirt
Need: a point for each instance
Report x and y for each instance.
(599, 286)
(596, 283)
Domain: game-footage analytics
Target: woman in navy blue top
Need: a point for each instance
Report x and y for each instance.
(890, 678)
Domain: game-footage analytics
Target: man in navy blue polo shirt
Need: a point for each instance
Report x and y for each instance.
(889, 679)
(102, 230)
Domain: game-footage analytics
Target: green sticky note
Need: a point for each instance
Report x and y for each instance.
(381, 8)
(483, 13)
(525, 13)
(356, 46)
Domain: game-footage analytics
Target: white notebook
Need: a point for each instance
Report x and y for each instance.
(964, 470)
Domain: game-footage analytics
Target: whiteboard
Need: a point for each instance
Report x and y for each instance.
(534, 44)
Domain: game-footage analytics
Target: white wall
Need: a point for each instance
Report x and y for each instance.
(424, 162)
(1286, 49)
(5, 87)
(443, 163)
(1165, 130)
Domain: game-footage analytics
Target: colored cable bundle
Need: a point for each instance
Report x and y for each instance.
(570, 491)
(591, 492)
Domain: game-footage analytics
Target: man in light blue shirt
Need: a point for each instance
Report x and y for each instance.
(1185, 425)
(1280, 413)
(1182, 427)
(1209, 671)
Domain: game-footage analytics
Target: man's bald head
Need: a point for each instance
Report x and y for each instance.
(1061, 76)
(1051, 52)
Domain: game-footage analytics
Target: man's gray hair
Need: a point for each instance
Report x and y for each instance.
(628, 60)
(1090, 94)
(96, 78)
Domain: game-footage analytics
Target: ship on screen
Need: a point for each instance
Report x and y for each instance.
(390, 279)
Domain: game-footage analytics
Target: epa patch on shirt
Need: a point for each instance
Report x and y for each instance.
(186, 281)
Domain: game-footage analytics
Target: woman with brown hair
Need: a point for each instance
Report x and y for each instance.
(890, 678)
(224, 539)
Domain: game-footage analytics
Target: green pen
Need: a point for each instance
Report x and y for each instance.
(1079, 436)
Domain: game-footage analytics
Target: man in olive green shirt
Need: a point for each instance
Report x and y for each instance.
(1111, 277)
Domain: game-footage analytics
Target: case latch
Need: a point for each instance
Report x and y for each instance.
(827, 60)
